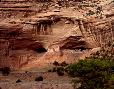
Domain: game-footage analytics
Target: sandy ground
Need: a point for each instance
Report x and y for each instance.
(51, 81)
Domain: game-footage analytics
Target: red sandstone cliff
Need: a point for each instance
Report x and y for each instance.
(42, 32)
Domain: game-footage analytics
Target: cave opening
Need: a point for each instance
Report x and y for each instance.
(40, 50)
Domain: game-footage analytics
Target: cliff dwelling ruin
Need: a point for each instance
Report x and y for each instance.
(34, 27)
(35, 34)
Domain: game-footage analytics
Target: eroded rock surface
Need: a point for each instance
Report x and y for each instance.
(52, 30)
(35, 33)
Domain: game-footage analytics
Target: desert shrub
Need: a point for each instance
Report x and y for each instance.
(18, 81)
(93, 74)
(63, 64)
(55, 63)
(40, 78)
(5, 71)
(60, 68)
(60, 71)
(54, 69)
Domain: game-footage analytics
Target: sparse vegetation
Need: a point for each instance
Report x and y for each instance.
(59, 68)
(54, 69)
(55, 63)
(63, 64)
(60, 71)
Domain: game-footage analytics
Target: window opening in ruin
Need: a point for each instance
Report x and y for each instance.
(82, 48)
(43, 27)
(40, 50)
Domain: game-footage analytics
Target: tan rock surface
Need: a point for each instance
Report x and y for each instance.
(35, 33)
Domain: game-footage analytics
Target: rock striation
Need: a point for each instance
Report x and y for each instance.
(39, 31)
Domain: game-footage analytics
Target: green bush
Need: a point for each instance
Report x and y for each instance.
(93, 73)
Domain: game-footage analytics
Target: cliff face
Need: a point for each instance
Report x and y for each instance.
(40, 32)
